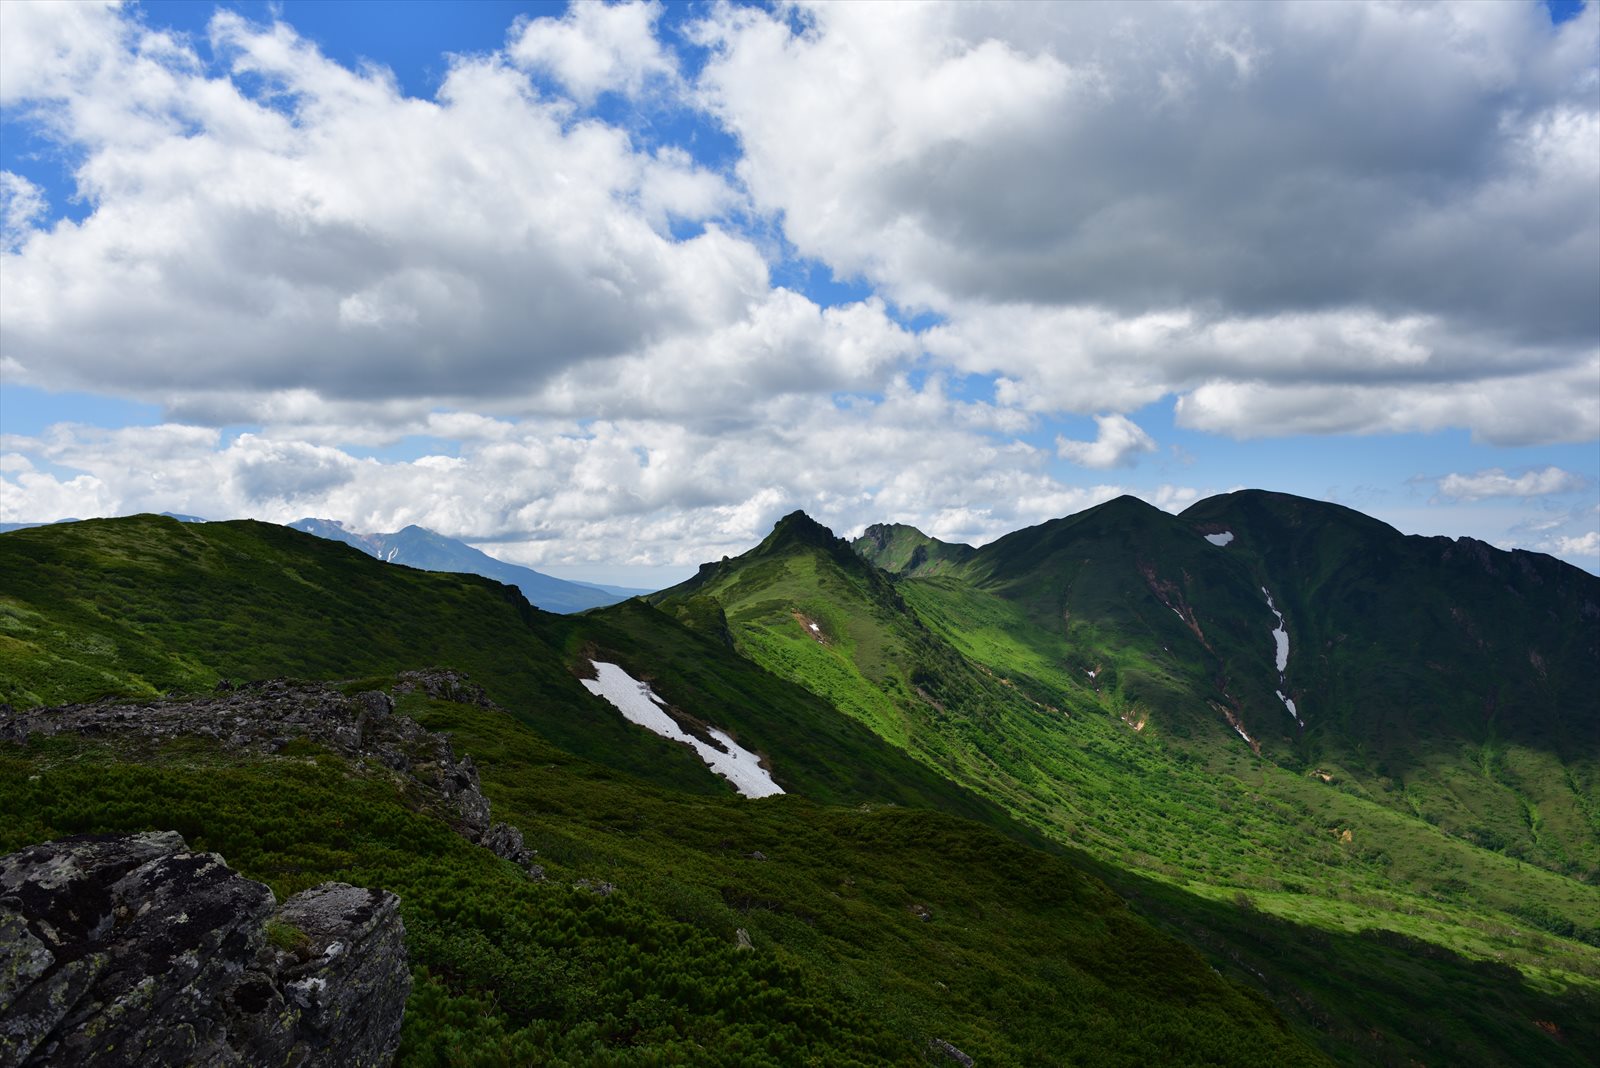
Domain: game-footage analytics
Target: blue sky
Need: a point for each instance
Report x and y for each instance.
(608, 289)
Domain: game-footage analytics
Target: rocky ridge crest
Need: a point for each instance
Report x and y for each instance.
(263, 717)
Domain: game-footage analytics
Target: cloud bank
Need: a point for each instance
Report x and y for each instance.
(1272, 220)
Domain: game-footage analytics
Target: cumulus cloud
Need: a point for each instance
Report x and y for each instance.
(1556, 405)
(290, 226)
(595, 48)
(1581, 545)
(559, 491)
(1301, 219)
(1494, 482)
(1119, 203)
(22, 205)
(1118, 442)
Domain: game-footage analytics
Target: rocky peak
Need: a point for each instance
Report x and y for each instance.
(879, 534)
(797, 527)
(133, 950)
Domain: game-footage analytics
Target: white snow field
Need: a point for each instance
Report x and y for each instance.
(639, 704)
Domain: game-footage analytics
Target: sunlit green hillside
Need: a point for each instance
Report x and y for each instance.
(947, 753)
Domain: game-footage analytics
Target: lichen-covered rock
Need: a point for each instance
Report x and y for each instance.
(125, 950)
(506, 841)
(446, 685)
(263, 717)
(353, 956)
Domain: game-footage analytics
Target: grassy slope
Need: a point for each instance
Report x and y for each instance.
(144, 605)
(809, 747)
(1389, 637)
(1208, 810)
(1452, 680)
(1116, 791)
(900, 549)
(1188, 805)
(867, 657)
(1023, 959)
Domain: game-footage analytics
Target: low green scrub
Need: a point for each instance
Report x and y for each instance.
(872, 931)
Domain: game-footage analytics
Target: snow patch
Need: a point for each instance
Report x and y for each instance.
(814, 628)
(1220, 539)
(1280, 638)
(1243, 735)
(1280, 635)
(639, 704)
(1091, 673)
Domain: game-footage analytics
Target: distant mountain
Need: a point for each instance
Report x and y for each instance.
(7, 527)
(419, 547)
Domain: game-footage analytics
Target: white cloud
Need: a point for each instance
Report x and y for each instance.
(22, 206)
(1118, 442)
(1546, 405)
(1494, 482)
(462, 251)
(1330, 219)
(596, 47)
(1174, 498)
(562, 492)
(1581, 545)
(1134, 201)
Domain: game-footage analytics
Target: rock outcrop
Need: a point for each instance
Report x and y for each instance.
(133, 950)
(263, 717)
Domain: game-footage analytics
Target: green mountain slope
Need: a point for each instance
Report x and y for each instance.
(143, 605)
(871, 933)
(1104, 656)
(965, 691)
(904, 550)
(875, 929)
(1439, 678)
(805, 607)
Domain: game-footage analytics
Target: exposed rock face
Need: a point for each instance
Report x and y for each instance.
(263, 717)
(446, 685)
(133, 950)
(939, 1045)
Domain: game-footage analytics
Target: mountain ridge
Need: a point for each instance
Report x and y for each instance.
(890, 697)
(417, 546)
(1192, 662)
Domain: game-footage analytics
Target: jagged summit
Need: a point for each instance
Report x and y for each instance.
(799, 530)
(798, 524)
(904, 550)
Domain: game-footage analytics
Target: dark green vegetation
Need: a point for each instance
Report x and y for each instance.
(1411, 938)
(900, 549)
(141, 606)
(1429, 795)
(872, 930)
